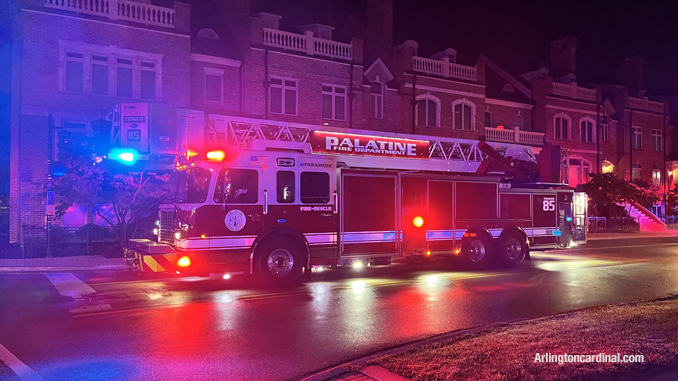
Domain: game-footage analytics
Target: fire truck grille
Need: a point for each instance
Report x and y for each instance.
(167, 224)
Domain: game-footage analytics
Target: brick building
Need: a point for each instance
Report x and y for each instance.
(78, 63)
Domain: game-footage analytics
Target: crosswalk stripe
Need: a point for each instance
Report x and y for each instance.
(22, 370)
(69, 285)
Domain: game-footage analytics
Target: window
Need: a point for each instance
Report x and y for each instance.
(427, 113)
(108, 70)
(508, 88)
(488, 119)
(377, 99)
(637, 142)
(636, 171)
(99, 74)
(604, 129)
(147, 80)
(586, 131)
(657, 141)
(214, 79)
(657, 176)
(333, 102)
(125, 77)
(562, 128)
(463, 116)
(74, 72)
(315, 187)
(237, 186)
(283, 96)
(518, 121)
(285, 187)
(197, 185)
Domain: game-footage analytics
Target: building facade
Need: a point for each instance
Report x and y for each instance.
(76, 63)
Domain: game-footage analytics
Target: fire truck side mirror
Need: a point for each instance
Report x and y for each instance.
(265, 202)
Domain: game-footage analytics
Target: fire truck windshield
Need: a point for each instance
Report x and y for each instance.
(194, 185)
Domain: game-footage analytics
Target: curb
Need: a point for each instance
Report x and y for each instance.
(9, 269)
(333, 372)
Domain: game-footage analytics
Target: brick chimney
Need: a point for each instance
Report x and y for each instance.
(379, 37)
(630, 74)
(564, 57)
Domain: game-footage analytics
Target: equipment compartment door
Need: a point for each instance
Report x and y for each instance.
(368, 213)
(414, 215)
(581, 220)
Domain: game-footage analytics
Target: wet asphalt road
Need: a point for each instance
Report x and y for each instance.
(157, 328)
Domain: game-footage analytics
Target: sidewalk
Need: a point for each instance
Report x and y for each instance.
(82, 262)
(630, 238)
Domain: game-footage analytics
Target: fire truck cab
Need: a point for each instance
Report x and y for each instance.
(279, 209)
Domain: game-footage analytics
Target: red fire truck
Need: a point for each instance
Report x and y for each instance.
(278, 209)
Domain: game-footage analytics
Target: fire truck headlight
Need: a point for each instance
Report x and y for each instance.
(418, 221)
(358, 265)
(184, 262)
(177, 235)
(155, 231)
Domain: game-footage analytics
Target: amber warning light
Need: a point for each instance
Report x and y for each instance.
(216, 155)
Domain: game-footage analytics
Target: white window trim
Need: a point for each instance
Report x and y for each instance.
(334, 94)
(283, 87)
(487, 112)
(636, 166)
(467, 102)
(217, 73)
(569, 127)
(634, 138)
(661, 140)
(566, 168)
(113, 53)
(429, 97)
(593, 127)
(381, 96)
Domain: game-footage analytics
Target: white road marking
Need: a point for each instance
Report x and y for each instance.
(69, 285)
(22, 370)
(90, 309)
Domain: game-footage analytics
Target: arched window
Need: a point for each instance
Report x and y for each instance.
(427, 111)
(657, 176)
(464, 114)
(587, 130)
(518, 121)
(636, 171)
(561, 124)
(488, 119)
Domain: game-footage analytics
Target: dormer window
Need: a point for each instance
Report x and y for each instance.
(508, 88)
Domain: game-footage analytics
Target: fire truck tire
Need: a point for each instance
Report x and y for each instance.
(476, 252)
(279, 260)
(511, 248)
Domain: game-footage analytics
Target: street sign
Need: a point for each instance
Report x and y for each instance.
(134, 126)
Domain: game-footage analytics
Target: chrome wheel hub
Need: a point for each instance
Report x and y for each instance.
(280, 262)
(476, 251)
(513, 248)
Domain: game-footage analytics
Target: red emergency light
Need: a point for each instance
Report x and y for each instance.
(184, 261)
(418, 221)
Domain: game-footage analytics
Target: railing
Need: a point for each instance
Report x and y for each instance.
(307, 43)
(597, 224)
(646, 104)
(573, 91)
(145, 13)
(445, 68)
(514, 135)
(119, 9)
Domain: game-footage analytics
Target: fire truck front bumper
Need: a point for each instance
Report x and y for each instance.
(149, 256)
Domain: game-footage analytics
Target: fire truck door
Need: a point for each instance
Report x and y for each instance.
(566, 223)
(414, 215)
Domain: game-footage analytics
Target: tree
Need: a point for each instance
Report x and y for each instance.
(607, 193)
(132, 195)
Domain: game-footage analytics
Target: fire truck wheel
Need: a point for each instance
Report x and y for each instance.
(476, 252)
(511, 248)
(279, 261)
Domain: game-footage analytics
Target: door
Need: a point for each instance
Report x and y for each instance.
(581, 219)
(368, 213)
(566, 223)
(414, 214)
